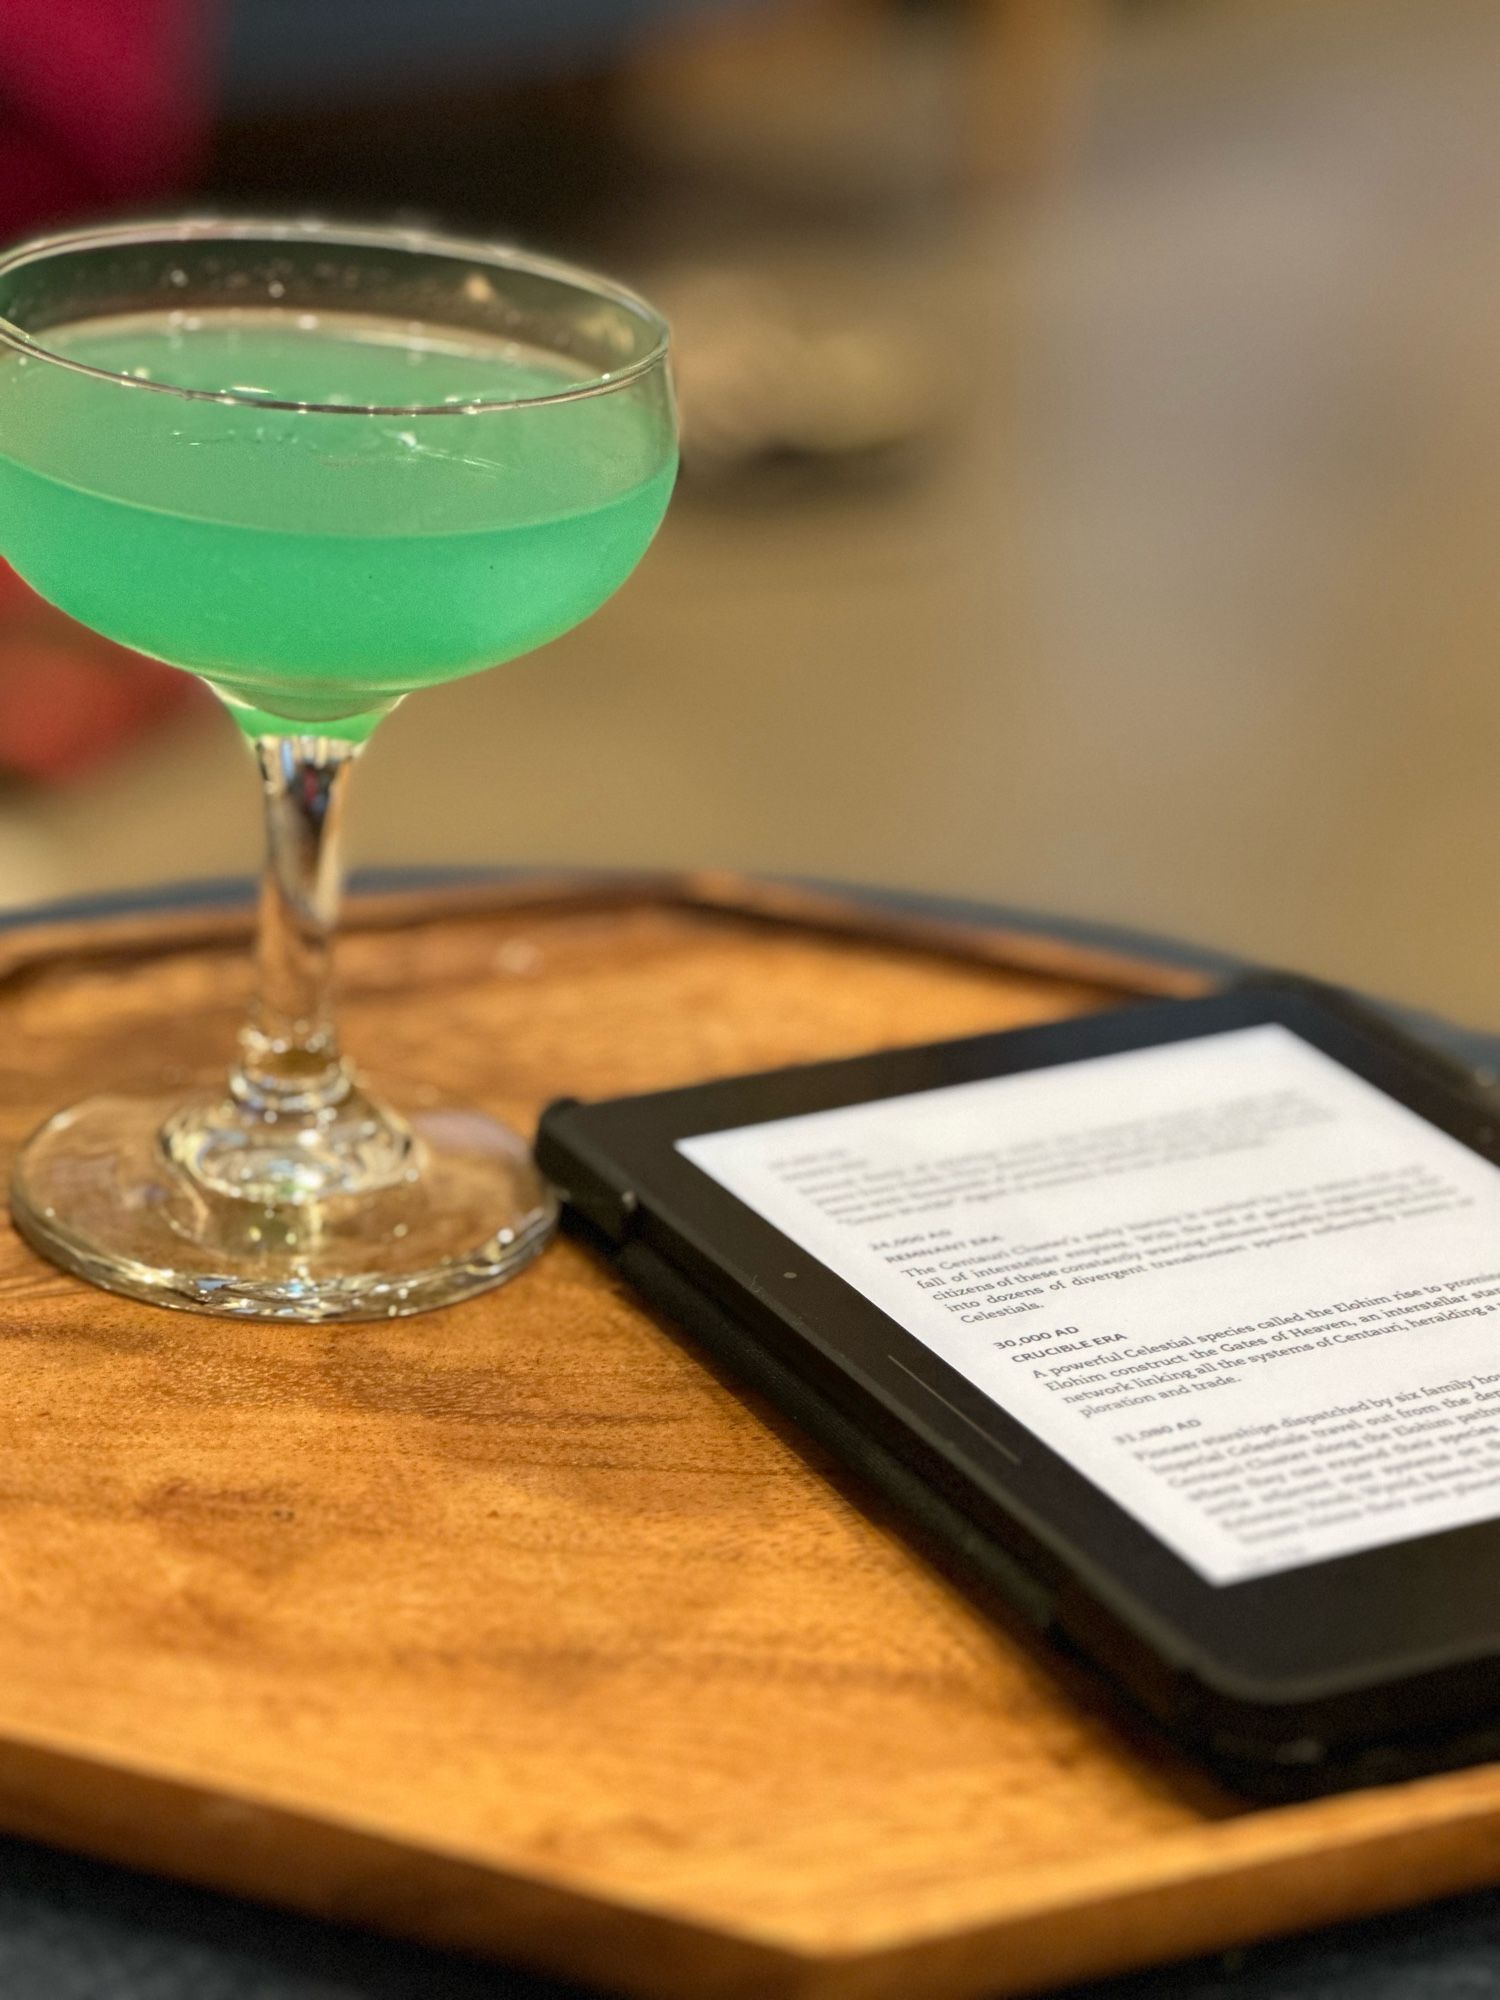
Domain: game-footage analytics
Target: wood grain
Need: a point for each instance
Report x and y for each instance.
(516, 1626)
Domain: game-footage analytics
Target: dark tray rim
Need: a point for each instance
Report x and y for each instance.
(1050, 944)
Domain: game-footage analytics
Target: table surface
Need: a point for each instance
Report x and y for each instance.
(72, 1929)
(70, 1926)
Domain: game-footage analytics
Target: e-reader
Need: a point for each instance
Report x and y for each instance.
(1176, 1325)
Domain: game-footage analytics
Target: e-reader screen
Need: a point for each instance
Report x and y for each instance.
(1250, 1296)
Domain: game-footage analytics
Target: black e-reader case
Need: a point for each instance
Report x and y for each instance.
(1350, 1671)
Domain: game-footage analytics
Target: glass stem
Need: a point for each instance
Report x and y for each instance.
(296, 1131)
(289, 1059)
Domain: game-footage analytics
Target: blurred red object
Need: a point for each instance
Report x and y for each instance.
(69, 700)
(105, 101)
(102, 102)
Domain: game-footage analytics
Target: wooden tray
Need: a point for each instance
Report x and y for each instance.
(514, 1626)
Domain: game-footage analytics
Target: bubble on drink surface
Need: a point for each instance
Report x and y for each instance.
(276, 289)
(178, 278)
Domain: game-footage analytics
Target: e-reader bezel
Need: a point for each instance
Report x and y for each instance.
(1403, 1612)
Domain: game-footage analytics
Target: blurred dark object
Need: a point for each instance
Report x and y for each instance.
(497, 117)
(278, 53)
(68, 699)
(781, 377)
(534, 159)
(102, 102)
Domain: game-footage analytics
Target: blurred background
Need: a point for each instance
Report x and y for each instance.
(1092, 448)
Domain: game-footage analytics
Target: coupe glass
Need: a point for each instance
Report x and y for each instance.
(320, 467)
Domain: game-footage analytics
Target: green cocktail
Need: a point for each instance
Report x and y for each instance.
(336, 567)
(321, 468)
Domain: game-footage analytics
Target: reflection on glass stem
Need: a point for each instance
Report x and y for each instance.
(289, 1052)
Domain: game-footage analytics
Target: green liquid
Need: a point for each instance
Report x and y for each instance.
(316, 566)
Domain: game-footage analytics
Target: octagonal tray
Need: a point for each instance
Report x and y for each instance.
(518, 1627)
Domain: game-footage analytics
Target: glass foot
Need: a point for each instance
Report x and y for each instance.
(98, 1191)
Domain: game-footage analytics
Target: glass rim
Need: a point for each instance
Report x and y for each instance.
(200, 228)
